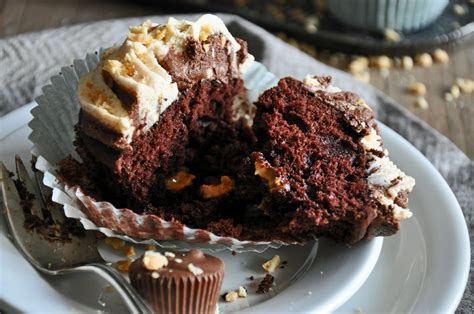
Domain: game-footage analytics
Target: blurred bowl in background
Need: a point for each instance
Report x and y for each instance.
(377, 15)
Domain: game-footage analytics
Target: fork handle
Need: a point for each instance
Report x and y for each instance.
(132, 299)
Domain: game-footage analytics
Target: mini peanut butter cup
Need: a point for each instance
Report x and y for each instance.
(178, 282)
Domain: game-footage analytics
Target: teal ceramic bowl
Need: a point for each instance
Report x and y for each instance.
(378, 15)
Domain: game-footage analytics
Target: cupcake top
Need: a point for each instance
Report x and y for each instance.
(135, 82)
(179, 264)
(388, 184)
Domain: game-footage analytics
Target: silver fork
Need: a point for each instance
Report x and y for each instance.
(46, 246)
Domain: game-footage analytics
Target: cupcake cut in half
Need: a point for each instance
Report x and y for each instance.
(165, 130)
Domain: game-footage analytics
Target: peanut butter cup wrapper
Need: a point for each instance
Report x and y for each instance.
(180, 294)
(52, 133)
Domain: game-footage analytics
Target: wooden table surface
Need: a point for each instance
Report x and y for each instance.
(456, 120)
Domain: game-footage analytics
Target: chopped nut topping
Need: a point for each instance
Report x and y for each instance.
(215, 190)
(440, 56)
(465, 85)
(422, 103)
(448, 97)
(271, 264)
(417, 89)
(231, 296)
(270, 176)
(179, 181)
(407, 62)
(455, 91)
(178, 260)
(424, 60)
(155, 275)
(129, 251)
(123, 266)
(115, 243)
(154, 260)
(392, 35)
(242, 292)
(358, 65)
(194, 269)
(381, 62)
(170, 254)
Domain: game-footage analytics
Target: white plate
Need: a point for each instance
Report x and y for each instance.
(316, 278)
(422, 269)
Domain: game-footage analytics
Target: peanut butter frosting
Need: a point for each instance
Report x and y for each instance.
(131, 87)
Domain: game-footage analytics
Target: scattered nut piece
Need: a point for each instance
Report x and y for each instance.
(170, 254)
(407, 62)
(115, 243)
(150, 247)
(231, 296)
(424, 60)
(155, 275)
(422, 103)
(178, 260)
(381, 62)
(465, 85)
(271, 264)
(459, 9)
(242, 292)
(417, 89)
(179, 181)
(123, 266)
(358, 65)
(448, 97)
(129, 251)
(194, 269)
(391, 35)
(440, 56)
(215, 190)
(154, 260)
(455, 91)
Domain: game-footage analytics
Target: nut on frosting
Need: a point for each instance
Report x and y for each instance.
(134, 68)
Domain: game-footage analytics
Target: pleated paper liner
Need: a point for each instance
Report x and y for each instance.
(53, 134)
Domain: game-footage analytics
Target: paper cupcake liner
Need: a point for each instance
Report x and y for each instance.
(378, 15)
(53, 134)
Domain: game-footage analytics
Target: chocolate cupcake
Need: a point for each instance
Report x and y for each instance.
(179, 282)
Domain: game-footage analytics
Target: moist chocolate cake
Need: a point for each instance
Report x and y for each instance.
(165, 130)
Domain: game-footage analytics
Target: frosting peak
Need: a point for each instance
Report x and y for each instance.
(136, 82)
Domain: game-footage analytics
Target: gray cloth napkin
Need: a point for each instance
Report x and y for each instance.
(28, 61)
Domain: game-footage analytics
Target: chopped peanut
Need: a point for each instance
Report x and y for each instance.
(417, 89)
(392, 35)
(242, 292)
(422, 103)
(407, 62)
(424, 60)
(440, 56)
(129, 251)
(179, 181)
(154, 260)
(231, 296)
(115, 243)
(465, 85)
(271, 264)
(123, 266)
(215, 190)
(270, 176)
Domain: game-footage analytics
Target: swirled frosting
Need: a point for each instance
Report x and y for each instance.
(135, 82)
